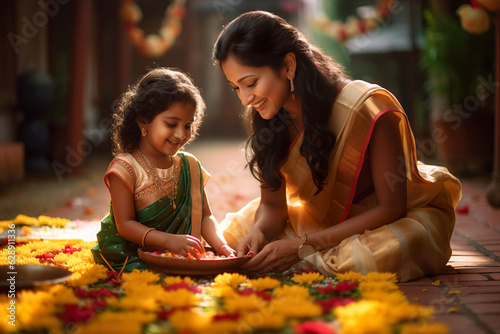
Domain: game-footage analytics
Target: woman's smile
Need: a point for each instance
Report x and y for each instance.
(260, 106)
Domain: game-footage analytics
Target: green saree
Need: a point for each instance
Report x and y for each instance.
(151, 210)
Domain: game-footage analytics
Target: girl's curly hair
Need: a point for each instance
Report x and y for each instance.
(154, 93)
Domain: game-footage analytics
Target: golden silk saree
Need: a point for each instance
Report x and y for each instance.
(153, 208)
(412, 247)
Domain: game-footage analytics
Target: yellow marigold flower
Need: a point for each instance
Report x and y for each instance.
(454, 292)
(52, 221)
(407, 311)
(171, 280)
(222, 291)
(453, 309)
(7, 316)
(263, 283)
(6, 223)
(233, 280)
(144, 276)
(240, 304)
(25, 220)
(89, 274)
(145, 303)
(436, 282)
(66, 258)
(36, 311)
(292, 290)
(189, 321)
(350, 276)
(140, 289)
(354, 317)
(224, 326)
(380, 277)
(296, 307)
(365, 286)
(179, 298)
(421, 312)
(79, 262)
(265, 318)
(425, 328)
(307, 278)
(84, 244)
(126, 322)
(393, 298)
(63, 295)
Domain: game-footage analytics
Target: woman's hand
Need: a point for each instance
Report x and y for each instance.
(226, 251)
(184, 245)
(251, 243)
(278, 255)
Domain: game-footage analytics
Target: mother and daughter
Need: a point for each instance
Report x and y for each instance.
(341, 187)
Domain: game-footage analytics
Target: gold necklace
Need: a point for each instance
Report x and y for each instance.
(166, 186)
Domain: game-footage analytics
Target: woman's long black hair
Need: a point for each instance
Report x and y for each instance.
(258, 39)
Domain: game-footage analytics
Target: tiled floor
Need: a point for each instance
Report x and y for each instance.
(468, 295)
(465, 294)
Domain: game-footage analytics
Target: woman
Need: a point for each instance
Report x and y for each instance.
(341, 188)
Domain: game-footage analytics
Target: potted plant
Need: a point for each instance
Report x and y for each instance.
(459, 67)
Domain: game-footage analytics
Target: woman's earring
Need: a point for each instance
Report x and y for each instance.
(292, 89)
(144, 132)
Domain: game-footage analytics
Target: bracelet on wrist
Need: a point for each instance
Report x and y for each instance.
(144, 237)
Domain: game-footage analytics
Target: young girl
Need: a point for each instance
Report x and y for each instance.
(157, 196)
(341, 186)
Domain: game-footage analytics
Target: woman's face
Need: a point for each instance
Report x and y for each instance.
(259, 87)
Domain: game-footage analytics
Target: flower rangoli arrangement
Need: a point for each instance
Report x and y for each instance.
(98, 300)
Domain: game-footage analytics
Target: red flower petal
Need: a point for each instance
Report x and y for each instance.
(182, 285)
(313, 327)
(74, 313)
(226, 316)
(463, 210)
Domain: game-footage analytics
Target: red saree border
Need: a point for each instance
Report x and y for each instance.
(292, 144)
(361, 159)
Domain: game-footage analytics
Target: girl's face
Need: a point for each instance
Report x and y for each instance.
(259, 87)
(169, 130)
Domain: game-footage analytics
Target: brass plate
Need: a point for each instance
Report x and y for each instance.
(176, 266)
(31, 275)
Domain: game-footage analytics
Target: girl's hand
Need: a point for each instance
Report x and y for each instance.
(184, 245)
(278, 255)
(251, 244)
(226, 251)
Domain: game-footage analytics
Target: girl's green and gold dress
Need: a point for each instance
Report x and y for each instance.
(153, 208)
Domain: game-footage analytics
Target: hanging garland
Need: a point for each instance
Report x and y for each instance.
(355, 26)
(153, 45)
(474, 17)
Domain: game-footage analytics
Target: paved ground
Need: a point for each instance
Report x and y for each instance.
(465, 294)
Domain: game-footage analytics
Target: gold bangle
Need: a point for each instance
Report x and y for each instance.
(144, 237)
